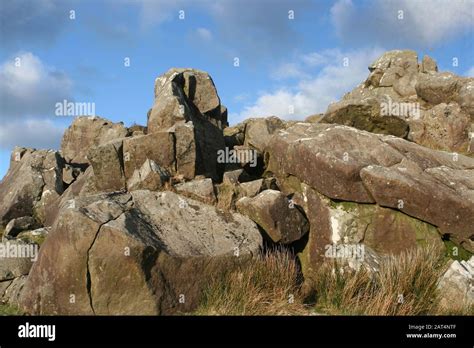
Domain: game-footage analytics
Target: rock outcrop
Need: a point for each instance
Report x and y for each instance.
(189, 97)
(87, 132)
(346, 164)
(408, 99)
(32, 182)
(123, 253)
(139, 220)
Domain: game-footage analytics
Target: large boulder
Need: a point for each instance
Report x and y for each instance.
(456, 286)
(10, 290)
(84, 185)
(17, 225)
(347, 164)
(198, 189)
(16, 258)
(367, 115)
(33, 180)
(189, 96)
(436, 88)
(149, 177)
(178, 92)
(107, 162)
(443, 127)
(157, 147)
(139, 253)
(278, 217)
(86, 132)
(258, 131)
(384, 231)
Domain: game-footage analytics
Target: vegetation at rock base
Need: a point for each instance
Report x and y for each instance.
(266, 285)
(6, 309)
(456, 252)
(406, 284)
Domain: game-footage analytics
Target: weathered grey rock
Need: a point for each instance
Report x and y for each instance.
(444, 127)
(272, 211)
(436, 88)
(329, 158)
(18, 225)
(201, 190)
(149, 177)
(137, 130)
(188, 95)
(406, 60)
(33, 179)
(10, 293)
(157, 147)
(107, 162)
(396, 95)
(366, 115)
(258, 131)
(214, 236)
(232, 177)
(36, 236)
(178, 92)
(185, 149)
(465, 97)
(251, 188)
(157, 245)
(456, 286)
(234, 135)
(428, 64)
(227, 195)
(86, 132)
(70, 173)
(347, 164)
(314, 118)
(16, 258)
(84, 185)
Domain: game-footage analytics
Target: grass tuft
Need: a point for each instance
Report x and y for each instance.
(405, 285)
(265, 285)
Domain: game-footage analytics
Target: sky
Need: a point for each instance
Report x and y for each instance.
(294, 57)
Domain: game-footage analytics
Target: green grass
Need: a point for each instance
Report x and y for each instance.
(6, 309)
(456, 252)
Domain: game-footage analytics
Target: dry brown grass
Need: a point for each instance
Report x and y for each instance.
(266, 285)
(405, 285)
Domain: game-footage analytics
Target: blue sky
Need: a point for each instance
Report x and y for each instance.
(284, 60)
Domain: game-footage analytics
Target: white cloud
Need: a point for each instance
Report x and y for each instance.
(29, 91)
(28, 88)
(287, 71)
(424, 23)
(312, 94)
(41, 134)
(204, 34)
(316, 58)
